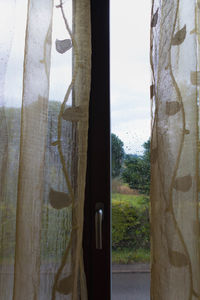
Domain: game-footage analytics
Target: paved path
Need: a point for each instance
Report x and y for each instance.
(131, 286)
(130, 282)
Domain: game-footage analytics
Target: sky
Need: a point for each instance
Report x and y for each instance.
(130, 68)
(130, 72)
(61, 67)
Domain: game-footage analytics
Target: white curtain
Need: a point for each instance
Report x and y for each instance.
(43, 148)
(175, 150)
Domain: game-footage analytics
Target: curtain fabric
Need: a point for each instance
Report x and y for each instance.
(43, 149)
(175, 272)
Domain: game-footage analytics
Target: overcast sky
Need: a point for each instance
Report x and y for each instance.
(130, 70)
(61, 67)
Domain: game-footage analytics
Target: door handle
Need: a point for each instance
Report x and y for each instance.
(99, 226)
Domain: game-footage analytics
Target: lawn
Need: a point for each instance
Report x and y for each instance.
(128, 256)
(134, 200)
(126, 208)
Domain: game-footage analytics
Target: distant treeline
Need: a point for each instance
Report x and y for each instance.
(131, 168)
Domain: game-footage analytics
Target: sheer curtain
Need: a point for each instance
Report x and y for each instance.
(43, 147)
(175, 150)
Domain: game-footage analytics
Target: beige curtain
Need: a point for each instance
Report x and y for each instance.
(43, 147)
(175, 150)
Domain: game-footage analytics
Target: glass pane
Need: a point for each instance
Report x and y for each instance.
(130, 126)
(13, 19)
(56, 222)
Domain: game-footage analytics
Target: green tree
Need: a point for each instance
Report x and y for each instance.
(117, 155)
(137, 170)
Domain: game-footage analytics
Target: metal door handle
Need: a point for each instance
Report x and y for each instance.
(98, 226)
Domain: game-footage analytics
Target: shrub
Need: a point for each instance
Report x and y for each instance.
(136, 170)
(130, 224)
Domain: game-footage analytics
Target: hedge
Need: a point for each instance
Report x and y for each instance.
(130, 227)
(130, 224)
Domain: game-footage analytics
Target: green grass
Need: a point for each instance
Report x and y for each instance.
(128, 256)
(135, 200)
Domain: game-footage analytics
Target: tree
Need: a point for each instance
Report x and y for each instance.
(117, 155)
(137, 170)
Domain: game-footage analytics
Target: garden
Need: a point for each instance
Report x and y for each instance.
(130, 204)
(130, 201)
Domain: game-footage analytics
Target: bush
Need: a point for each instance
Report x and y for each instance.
(117, 155)
(130, 224)
(136, 170)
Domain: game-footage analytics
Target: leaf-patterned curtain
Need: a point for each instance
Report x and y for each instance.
(175, 150)
(45, 52)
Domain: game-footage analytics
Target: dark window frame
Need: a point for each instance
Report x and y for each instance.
(98, 262)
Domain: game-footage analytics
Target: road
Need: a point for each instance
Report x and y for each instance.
(126, 286)
(131, 286)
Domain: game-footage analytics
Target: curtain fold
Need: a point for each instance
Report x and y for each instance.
(175, 272)
(43, 147)
(82, 34)
(34, 119)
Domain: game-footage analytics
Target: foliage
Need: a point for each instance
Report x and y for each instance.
(137, 170)
(128, 256)
(135, 200)
(130, 223)
(117, 155)
(118, 186)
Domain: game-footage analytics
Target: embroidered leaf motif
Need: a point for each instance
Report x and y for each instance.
(183, 184)
(187, 131)
(179, 37)
(65, 285)
(55, 143)
(172, 107)
(63, 45)
(73, 114)
(152, 91)
(59, 200)
(177, 259)
(154, 19)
